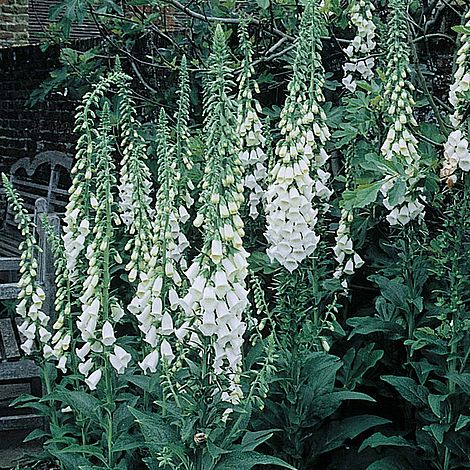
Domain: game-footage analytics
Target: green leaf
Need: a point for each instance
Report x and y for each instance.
(379, 440)
(142, 381)
(356, 364)
(462, 422)
(461, 29)
(369, 325)
(348, 395)
(127, 442)
(238, 427)
(412, 392)
(264, 4)
(437, 430)
(36, 434)
(86, 404)
(70, 461)
(338, 431)
(251, 440)
(247, 460)
(362, 196)
(397, 192)
(462, 380)
(392, 290)
(92, 450)
(387, 463)
(435, 402)
(156, 432)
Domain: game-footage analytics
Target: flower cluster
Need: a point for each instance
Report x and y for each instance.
(250, 127)
(456, 155)
(156, 299)
(299, 183)
(31, 296)
(99, 310)
(135, 185)
(456, 152)
(348, 260)
(77, 214)
(361, 46)
(59, 346)
(400, 145)
(217, 296)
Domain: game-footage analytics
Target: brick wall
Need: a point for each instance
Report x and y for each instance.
(26, 131)
(13, 22)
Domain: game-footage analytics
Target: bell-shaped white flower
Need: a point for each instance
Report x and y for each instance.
(166, 351)
(150, 362)
(107, 334)
(93, 379)
(119, 359)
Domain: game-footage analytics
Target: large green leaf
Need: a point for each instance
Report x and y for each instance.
(357, 363)
(251, 440)
(86, 404)
(369, 325)
(416, 394)
(70, 461)
(362, 196)
(337, 432)
(247, 460)
(157, 433)
(392, 290)
(320, 370)
(379, 440)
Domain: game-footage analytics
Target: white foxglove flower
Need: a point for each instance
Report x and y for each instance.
(250, 128)
(166, 351)
(298, 183)
(96, 323)
(93, 379)
(107, 334)
(31, 296)
(156, 301)
(78, 213)
(135, 184)
(360, 64)
(456, 152)
(217, 297)
(400, 145)
(150, 362)
(348, 261)
(120, 359)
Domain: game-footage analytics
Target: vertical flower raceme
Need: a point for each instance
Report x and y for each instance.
(360, 64)
(402, 190)
(298, 181)
(79, 208)
(100, 310)
(135, 184)
(156, 301)
(217, 295)
(346, 257)
(250, 127)
(456, 151)
(182, 150)
(59, 347)
(31, 296)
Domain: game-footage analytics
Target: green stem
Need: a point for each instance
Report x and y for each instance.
(49, 389)
(105, 300)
